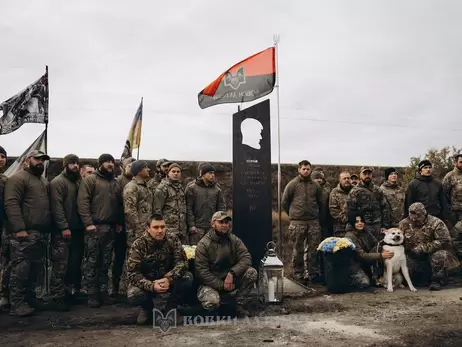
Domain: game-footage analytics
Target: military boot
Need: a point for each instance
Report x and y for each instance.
(38, 304)
(4, 304)
(143, 316)
(93, 301)
(115, 289)
(106, 299)
(435, 283)
(22, 310)
(61, 305)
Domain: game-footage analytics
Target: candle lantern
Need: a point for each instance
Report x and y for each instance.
(271, 276)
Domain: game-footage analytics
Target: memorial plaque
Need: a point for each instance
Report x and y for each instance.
(252, 204)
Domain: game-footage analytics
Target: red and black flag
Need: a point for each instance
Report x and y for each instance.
(248, 80)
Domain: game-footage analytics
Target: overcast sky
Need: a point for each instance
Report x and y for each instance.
(362, 82)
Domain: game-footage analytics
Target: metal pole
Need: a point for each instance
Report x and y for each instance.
(276, 47)
(48, 248)
(139, 144)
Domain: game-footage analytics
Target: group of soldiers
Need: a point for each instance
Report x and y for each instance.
(132, 226)
(427, 210)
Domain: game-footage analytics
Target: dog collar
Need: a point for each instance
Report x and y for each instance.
(389, 244)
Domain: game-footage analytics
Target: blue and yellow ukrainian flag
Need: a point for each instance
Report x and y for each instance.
(134, 135)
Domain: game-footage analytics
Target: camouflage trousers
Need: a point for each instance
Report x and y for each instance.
(26, 261)
(99, 245)
(130, 238)
(210, 298)
(179, 289)
(194, 239)
(119, 256)
(5, 265)
(59, 261)
(456, 234)
(305, 238)
(424, 267)
(358, 276)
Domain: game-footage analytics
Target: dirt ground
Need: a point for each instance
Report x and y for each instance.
(381, 319)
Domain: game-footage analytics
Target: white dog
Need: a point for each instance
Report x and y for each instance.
(393, 242)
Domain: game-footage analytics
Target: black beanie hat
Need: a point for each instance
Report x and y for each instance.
(424, 163)
(68, 158)
(2, 151)
(206, 168)
(103, 158)
(137, 166)
(389, 171)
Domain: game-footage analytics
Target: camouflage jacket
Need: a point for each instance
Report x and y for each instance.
(27, 203)
(394, 194)
(452, 186)
(371, 201)
(202, 202)
(302, 199)
(155, 181)
(138, 206)
(338, 208)
(63, 198)
(150, 260)
(100, 200)
(123, 181)
(429, 238)
(216, 255)
(365, 243)
(169, 201)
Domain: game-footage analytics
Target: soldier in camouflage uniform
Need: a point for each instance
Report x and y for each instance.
(394, 194)
(302, 201)
(428, 247)
(203, 199)
(138, 205)
(223, 264)
(361, 276)
(100, 207)
(338, 204)
(86, 170)
(27, 208)
(157, 270)
(5, 254)
(63, 199)
(161, 172)
(366, 198)
(120, 239)
(325, 220)
(354, 179)
(452, 186)
(170, 202)
(326, 185)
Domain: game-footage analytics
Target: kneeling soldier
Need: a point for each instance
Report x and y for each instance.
(223, 264)
(156, 265)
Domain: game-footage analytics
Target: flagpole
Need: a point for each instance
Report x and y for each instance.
(276, 48)
(139, 144)
(46, 122)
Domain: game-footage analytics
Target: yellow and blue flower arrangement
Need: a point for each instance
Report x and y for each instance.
(335, 244)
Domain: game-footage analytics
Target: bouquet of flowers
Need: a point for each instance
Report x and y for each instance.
(190, 251)
(335, 244)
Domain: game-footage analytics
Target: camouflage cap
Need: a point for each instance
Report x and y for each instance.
(417, 208)
(354, 175)
(162, 162)
(317, 174)
(220, 215)
(38, 155)
(365, 169)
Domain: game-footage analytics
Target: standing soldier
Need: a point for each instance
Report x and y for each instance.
(203, 199)
(120, 239)
(367, 199)
(394, 194)
(138, 205)
(338, 204)
(86, 170)
(427, 190)
(324, 216)
(302, 201)
(325, 184)
(27, 208)
(161, 172)
(170, 202)
(354, 179)
(63, 198)
(5, 254)
(452, 186)
(100, 207)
